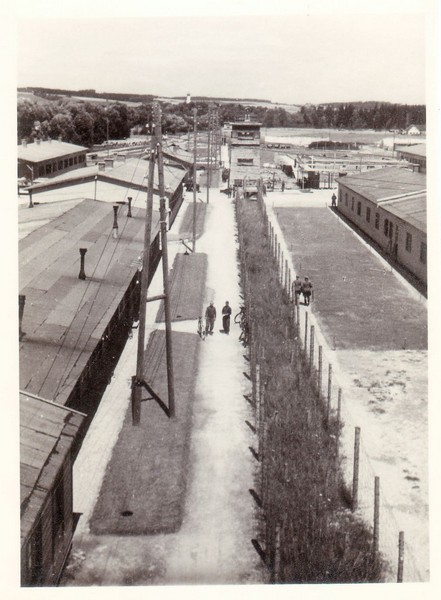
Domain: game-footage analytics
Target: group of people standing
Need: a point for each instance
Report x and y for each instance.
(210, 318)
(302, 287)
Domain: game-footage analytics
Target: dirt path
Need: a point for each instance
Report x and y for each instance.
(214, 543)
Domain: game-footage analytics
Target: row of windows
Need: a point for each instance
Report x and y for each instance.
(60, 165)
(388, 227)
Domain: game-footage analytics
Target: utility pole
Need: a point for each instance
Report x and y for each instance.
(107, 126)
(163, 221)
(208, 154)
(195, 111)
(137, 383)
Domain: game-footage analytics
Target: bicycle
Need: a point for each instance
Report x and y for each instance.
(201, 329)
(241, 319)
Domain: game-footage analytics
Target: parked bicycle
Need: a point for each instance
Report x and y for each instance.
(201, 329)
(242, 320)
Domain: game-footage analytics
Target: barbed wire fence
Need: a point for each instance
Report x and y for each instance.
(302, 339)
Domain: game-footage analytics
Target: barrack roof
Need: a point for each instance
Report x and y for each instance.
(37, 152)
(386, 183)
(64, 316)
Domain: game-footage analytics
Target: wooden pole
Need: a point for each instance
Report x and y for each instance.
(165, 274)
(306, 332)
(320, 370)
(195, 111)
(328, 409)
(137, 389)
(286, 278)
(277, 563)
(400, 557)
(376, 517)
(289, 285)
(208, 154)
(311, 349)
(356, 468)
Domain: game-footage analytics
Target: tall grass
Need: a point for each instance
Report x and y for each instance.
(308, 530)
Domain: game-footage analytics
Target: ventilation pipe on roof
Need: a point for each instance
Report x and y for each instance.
(115, 222)
(21, 304)
(82, 274)
(129, 212)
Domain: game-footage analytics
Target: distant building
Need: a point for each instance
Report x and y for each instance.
(415, 130)
(389, 206)
(244, 155)
(50, 158)
(415, 154)
(49, 442)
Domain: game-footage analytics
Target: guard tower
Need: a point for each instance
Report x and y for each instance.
(245, 155)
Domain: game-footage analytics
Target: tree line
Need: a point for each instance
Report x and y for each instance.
(90, 123)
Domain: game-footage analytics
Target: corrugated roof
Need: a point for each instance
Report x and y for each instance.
(412, 209)
(132, 171)
(47, 432)
(380, 184)
(65, 317)
(47, 150)
(416, 149)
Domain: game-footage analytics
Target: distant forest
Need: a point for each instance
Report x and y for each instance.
(52, 113)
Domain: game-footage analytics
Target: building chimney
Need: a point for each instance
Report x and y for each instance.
(24, 143)
(38, 141)
(82, 274)
(115, 221)
(188, 100)
(101, 166)
(108, 162)
(21, 304)
(129, 212)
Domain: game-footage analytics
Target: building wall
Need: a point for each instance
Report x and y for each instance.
(45, 551)
(387, 230)
(51, 167)
(244, 162)
(414, 159)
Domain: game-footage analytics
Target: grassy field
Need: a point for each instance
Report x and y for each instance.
(351, 287)
(143, 490)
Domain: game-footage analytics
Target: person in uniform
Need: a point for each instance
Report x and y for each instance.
(210, 318)
(226, 314)
(296, 289)
(307, 291)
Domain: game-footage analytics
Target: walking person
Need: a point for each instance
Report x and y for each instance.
(210, 318)
(307, 291)
(334, 200)
(226, 314)
(296, 289)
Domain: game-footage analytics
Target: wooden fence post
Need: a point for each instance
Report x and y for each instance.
(276, 246)
(400, 557)
(356, 468)
(376, 517)
(286, 278)
(257, 399)
(289, 284)
(277, 564)
(328, 408)
(338, 423)
(306, 332)
(320, 371)
(311, 349)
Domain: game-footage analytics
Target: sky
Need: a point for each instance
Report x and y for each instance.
(300, 53)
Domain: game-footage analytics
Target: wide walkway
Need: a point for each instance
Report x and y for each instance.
(213, 546)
